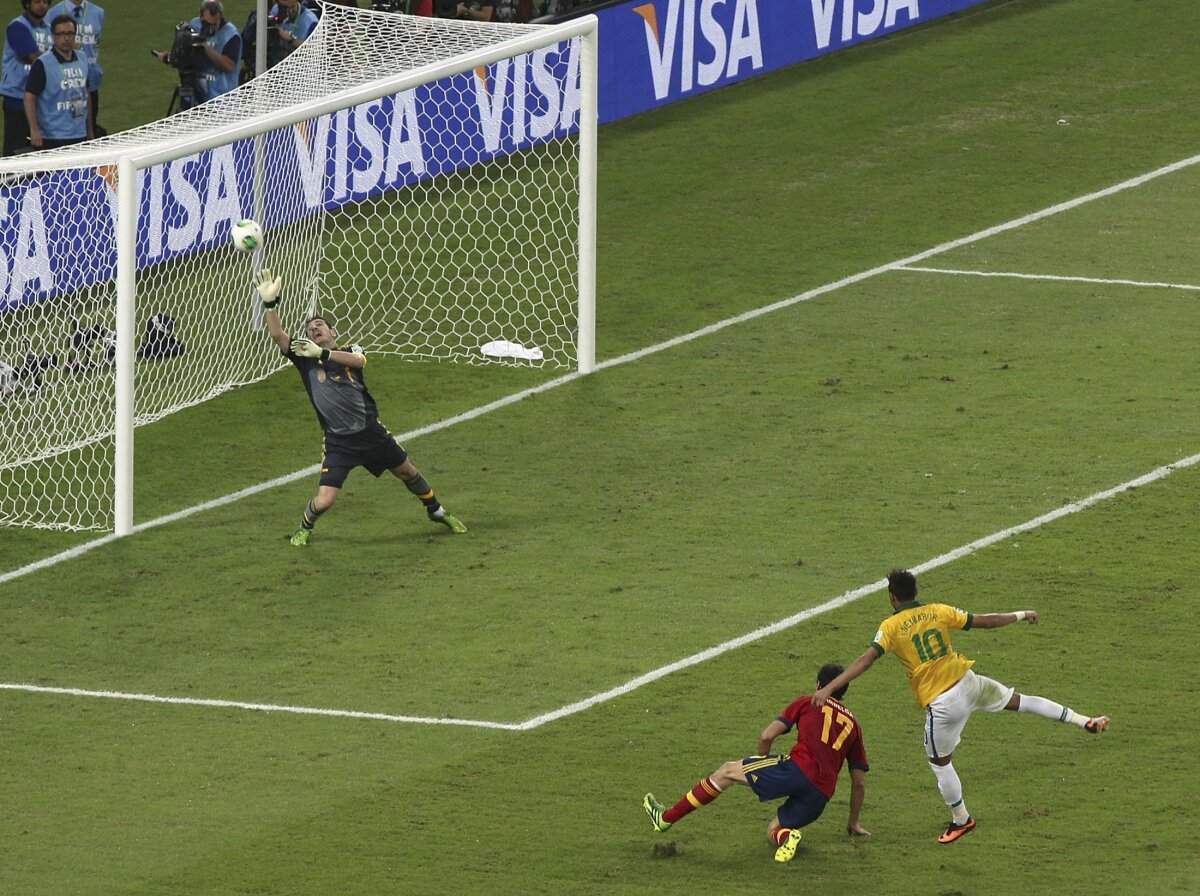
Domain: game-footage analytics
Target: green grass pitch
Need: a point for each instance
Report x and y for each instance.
(667, 504)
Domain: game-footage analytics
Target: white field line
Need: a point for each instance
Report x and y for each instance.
(257, 707)
(1059, 277)
(634, 356)
(661, 672)
(851, 596)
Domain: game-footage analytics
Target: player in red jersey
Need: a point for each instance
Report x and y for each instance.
(826, 738)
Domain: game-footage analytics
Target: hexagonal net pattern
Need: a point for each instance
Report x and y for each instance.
(417, 181)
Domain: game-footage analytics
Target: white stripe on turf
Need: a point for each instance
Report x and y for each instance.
(663, 671)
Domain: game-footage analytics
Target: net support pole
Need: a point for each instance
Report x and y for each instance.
(126, 283)
(588, 125)
(260, 37)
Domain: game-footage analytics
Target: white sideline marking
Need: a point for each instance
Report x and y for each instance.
(257, 707)
(663, 671)
(636, 683)
(1013, 274)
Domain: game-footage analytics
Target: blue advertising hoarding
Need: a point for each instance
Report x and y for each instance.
(659, 52)
(57, 228)
(57, 232)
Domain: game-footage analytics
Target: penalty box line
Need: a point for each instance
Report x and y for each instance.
(257, 707)
(474, 413)
(1103, 281)
(851, 596)
(661, 672)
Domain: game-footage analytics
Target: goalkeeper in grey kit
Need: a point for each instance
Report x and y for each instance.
(333, 378)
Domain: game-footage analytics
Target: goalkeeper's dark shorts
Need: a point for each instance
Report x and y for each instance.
(773, 777)
(374, 448)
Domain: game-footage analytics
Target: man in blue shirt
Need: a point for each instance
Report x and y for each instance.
(89, 22)
(27, 38)
(291, 23)
(217, 72)
(56, 92)
(214, 62)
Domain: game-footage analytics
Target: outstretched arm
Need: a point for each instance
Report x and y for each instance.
(768, 736)
(270, 288)
(999, 620)
(857, 668)
(858, 793)
(275, 328)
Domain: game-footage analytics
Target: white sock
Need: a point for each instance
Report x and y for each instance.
(1040, 706)
(950, 787)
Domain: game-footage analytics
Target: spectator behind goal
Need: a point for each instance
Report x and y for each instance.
(89, 23)
(57, 104)
(27, 38)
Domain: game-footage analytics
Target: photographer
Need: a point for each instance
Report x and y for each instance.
(57, 103)
(289, 24)
(206, 52)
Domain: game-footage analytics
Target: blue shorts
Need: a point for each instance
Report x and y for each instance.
(374, 448)
(775, 777)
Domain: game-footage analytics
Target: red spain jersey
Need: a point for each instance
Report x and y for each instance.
(825, 738)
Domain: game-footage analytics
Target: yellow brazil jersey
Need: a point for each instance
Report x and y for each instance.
(919, 635)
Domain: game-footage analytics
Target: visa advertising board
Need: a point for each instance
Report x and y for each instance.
(58, 228)
(659, 52)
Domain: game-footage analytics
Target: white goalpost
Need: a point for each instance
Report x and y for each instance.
(429, 184)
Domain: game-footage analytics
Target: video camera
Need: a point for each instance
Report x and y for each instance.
(184, 55)
(186, 46)
(250, 42)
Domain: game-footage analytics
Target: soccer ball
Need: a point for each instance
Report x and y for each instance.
(246, 235)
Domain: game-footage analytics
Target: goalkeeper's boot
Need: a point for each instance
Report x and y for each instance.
(655, 811)
(300, 537)
(453, 523)
(1096, 725)
(787, 851)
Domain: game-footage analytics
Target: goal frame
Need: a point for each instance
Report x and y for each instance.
(130, 164)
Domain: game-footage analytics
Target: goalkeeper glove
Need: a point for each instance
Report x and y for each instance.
(306, 348)
(269, 288)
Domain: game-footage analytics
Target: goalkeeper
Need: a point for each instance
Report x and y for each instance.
(333, 378)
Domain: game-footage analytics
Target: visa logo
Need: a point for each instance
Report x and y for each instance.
(709, 49)
(882, 13)
(540, 90)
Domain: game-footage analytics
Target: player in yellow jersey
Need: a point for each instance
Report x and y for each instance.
(944, 685)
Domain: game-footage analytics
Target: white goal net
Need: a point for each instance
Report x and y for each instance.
(428, 184)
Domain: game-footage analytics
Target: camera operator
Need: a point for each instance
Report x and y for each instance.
(27, 38)
(210, 56)
(289, 24)
(57, 102)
